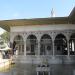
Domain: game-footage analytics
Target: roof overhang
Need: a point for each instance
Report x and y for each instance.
(6, 24)
(72, 16)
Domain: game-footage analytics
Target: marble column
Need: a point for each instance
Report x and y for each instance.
(68, 47)
(53, 47)
(53, 37)
(48, 73)
(25, 47)
(37, 73)
(39, 47)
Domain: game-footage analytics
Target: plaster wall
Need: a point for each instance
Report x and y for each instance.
(42, 27)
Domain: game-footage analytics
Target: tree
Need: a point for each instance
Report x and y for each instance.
(5, 36)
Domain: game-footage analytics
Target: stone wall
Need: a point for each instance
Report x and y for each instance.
(55, 69)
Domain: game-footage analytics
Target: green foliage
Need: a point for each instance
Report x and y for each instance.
(5, 36)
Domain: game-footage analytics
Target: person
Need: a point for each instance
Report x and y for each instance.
(14, 50)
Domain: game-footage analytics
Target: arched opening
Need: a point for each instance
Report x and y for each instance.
(60, 45)
(18, 45)
(72, 44)
(46, 45)
(31, 45)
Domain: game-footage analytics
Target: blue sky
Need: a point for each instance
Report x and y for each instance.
(11, 9)
(17, 9)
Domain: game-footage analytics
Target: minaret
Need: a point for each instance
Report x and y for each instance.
(52, 13)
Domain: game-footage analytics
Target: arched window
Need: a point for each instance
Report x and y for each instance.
(60, 45)
(18, 45)
(46, 45)
(31, 45)
(72, 44)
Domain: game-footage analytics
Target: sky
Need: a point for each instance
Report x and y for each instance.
(25, 9)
